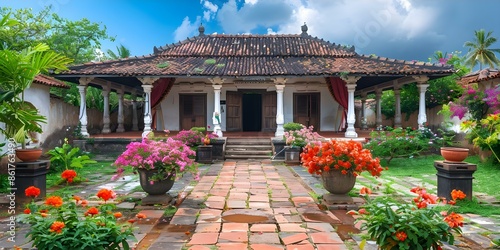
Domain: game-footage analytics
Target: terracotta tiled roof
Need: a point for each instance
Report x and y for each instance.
(50, 81)
(480, 76)
(255, 55)
(252, 45)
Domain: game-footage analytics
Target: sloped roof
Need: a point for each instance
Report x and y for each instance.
(255, 56)
(49, 81)
(480, 76)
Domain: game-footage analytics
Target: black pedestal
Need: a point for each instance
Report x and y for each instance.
(454, 176)
(204, 154)
(30, 174)
(278, 149)
(292, 156)
(217, 148)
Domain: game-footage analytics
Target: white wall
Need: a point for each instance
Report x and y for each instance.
(330, 119)
(39, 96)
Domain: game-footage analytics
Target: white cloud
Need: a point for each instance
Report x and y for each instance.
(251, 1)
(244, 19)
(271, 31)
(186, 29)
(210, 10)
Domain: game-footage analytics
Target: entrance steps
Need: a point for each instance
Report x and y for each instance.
(248, 148)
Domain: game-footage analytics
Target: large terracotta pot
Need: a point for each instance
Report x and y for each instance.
(452, 154)
(29, 155)
(337, 183)
(157, 187)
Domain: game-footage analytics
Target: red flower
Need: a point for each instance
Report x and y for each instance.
(68, 175)
(106, 194)
(32, 191)
(54, 201)
(117, 215)
(401, 235)
(57, 227)
(347, 156)
(27, 211)
(140, 216)
(92, 211)
(454, 220)
(457, 195)
(365, 190)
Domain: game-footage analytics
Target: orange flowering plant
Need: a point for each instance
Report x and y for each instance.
(68, 223)
(416, 225)
(347, 156)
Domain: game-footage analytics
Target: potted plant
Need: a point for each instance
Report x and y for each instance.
(18, 69)
(159, 163)
(338, 163)
(297, 136)
(393, 224)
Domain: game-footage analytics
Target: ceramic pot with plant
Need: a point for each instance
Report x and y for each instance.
(338, 163)
(160, 160)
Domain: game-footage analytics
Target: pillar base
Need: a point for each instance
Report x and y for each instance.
(351, 134)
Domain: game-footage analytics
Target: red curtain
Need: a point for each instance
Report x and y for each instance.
(160, 89)
(338, 89)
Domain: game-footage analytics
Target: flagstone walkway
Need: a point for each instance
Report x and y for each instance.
(249, 205)
(255, 205)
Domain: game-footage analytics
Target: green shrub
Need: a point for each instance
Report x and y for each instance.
(289, 126)
(401, 142)
(199, 129)
(67, 157)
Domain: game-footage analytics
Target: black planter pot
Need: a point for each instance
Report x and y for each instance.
(157, 187)
(278, 149)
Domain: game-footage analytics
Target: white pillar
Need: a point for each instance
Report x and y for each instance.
(364, 124)
(135, 125)
(351, 118)
(280, 118)
(217, 116)
(147, 86)
(422, 87)
(397, 115)
(82, 88)
(120, 112)
(378, 99)
(105, 117)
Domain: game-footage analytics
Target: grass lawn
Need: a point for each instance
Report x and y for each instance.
(485, 178)
(422, 168)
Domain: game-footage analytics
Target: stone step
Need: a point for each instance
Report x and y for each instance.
(230, 156)
(248, 141)
(249, 147)
(248, 152)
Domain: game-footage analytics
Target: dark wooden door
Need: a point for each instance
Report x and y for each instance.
(269, 111)
(306, 109)
(192, 111)
(233, 109)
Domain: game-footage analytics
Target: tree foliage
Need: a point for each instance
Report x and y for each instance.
(480, 51)
(74, 39)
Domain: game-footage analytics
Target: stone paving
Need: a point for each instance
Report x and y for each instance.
(256, 205)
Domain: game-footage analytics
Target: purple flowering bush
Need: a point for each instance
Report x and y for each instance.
(170, 157)
(476, 103)
(191, 138)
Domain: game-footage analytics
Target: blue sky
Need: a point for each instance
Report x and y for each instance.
(402, 29)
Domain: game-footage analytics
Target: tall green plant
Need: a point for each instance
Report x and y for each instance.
(18, 69)
(68, 157)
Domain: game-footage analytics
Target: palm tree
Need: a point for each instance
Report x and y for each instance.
(479, 51)
(122, 52)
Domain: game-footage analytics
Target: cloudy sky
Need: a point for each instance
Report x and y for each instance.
(402, 29)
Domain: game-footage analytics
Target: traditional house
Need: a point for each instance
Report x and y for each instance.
(251, 83)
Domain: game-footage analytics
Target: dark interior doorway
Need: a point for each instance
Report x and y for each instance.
(252, 111)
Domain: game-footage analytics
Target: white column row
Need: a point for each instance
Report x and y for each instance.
(82, 89)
